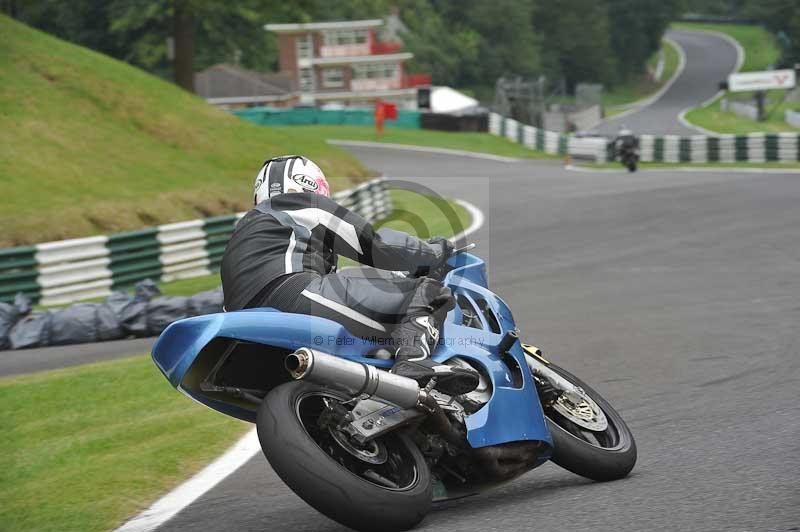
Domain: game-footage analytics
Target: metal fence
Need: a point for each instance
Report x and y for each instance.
(60, 272)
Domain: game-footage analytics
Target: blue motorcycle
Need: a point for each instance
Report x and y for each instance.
(373, 450)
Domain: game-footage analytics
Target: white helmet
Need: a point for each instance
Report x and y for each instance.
(289, 173)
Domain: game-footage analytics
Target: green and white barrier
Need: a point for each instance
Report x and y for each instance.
(547, 141)
(55, 273)
(754, 147)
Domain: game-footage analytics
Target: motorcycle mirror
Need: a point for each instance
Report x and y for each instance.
(466, 248)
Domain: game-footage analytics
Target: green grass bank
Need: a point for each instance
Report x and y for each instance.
(91, 145)
(84, 448)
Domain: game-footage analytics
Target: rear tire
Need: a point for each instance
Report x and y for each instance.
(577, 455)
(330, 484)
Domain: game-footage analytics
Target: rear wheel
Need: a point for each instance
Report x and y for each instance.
(590, 438)
(382, 485)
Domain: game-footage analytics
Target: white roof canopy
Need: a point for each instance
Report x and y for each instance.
(447, 100)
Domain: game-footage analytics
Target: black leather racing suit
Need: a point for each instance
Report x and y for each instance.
(283, 254)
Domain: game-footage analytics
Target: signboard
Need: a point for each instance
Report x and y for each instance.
(760, 81)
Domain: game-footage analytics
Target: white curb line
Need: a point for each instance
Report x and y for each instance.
(173, 502)
(168, 506)
(412, 147)
(477, 220)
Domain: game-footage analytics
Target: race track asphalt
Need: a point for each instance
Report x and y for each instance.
(676, 295)
(709, 60)
(41, 359)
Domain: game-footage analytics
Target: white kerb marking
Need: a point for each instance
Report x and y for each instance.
(168, 506)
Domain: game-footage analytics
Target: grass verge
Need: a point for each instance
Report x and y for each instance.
(84, 448)
(620, 98)
(713, 118)
(467, 141)
(103, 147)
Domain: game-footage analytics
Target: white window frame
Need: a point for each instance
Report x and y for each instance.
(361, 37)
(305, 80)
(345, 37)
(333, 78)
(305, 47)
(375, 71)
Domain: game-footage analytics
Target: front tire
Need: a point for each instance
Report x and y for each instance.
(387, 488)
(602, 456)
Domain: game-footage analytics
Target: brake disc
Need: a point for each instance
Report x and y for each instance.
(579, 408)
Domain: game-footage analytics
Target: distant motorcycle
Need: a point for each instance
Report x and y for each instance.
(629, 158)
(626, 148)
(371, 449)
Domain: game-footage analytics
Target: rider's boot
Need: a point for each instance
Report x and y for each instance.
(412, 359)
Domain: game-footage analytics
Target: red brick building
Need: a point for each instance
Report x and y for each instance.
(345, 62)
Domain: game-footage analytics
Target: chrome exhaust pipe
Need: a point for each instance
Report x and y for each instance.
(354, 378)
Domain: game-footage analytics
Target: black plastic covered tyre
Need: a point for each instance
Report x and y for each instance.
(383, 486)
(602, 456)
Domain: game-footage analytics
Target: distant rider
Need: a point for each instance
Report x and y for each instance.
(625, 142)
(283, 254)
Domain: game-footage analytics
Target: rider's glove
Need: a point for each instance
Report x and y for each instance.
(444, 249)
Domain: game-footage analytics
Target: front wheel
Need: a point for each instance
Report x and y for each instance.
(590, 438)
(384, 485)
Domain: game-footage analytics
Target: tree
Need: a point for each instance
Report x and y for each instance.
(575, 41)
(782, 18)
(636, 29)
(9, 7)
(183, 42)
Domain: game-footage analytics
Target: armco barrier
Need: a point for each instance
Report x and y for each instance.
(754, 147)
(60, 272)
(547, 141)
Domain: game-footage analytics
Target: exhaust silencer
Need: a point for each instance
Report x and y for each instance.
(358, 379)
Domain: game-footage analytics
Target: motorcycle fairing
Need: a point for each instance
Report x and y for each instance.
(513, 413)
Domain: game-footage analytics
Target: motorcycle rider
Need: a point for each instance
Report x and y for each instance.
(625, 141)
(283, 254)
